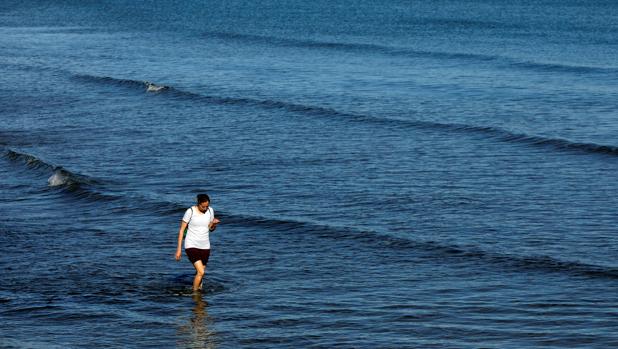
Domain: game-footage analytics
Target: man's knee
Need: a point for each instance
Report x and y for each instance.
(200, 270)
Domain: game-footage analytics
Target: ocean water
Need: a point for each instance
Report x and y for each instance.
(389, 174)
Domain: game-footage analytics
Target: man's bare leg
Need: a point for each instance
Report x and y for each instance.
(200, 269)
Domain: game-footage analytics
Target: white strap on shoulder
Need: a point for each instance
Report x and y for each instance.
(191, 216)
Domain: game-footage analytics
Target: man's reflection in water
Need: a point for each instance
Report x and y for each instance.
(196, 333)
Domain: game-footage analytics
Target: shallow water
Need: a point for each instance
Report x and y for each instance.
(400, 174)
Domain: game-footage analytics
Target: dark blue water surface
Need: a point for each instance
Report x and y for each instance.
(389, 174)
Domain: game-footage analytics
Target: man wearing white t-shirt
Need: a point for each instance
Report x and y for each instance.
(199, 221)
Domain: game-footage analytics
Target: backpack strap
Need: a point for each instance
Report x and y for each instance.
(190, 216)
(209, 210)
(187, 227)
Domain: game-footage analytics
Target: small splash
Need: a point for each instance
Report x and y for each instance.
(58, 179)
(184, 292)
(182, 286)
(209, 288)
(150, 87)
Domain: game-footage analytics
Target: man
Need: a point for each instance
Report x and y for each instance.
(199, 221)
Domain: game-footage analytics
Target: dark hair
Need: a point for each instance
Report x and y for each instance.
(202, 198)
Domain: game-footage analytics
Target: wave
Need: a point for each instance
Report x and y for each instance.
(532, 140)
(144, 85)
(61, 178)
(493, 132)
(438, 250)
(29, 160)
(352, 47)
(560, 68)
(177, 93)
(411, 53)
(86, 187)
(462, 23)
(383, 240)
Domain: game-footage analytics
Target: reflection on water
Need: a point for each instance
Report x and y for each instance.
(196, 332)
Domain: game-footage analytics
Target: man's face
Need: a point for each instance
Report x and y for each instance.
(203, 206)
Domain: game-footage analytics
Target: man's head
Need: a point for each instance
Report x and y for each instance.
(203, 201)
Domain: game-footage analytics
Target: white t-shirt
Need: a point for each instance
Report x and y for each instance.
(198, 231)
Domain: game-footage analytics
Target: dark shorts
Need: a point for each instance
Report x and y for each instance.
(196, 254)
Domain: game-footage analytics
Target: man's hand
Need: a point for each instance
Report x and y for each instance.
(213, 224)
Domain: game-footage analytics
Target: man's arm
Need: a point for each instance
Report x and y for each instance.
(181, 234)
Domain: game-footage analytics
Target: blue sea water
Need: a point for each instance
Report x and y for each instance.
(389, 174)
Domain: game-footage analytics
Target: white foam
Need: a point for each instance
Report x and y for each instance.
(57, 179)
(150, 87)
